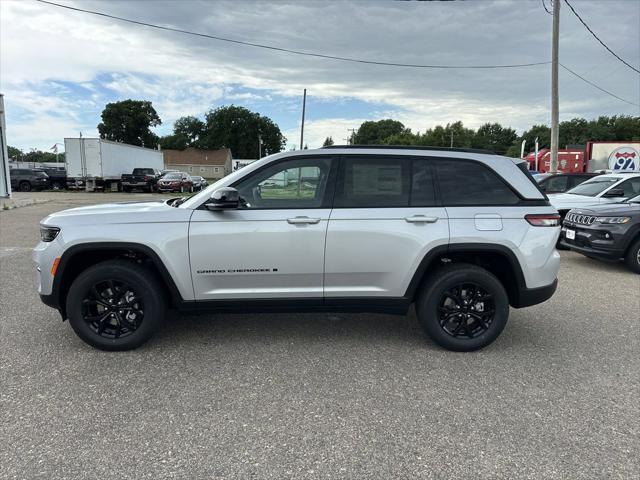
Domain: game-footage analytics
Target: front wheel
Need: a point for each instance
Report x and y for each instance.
(25, 187)
(115, 305)
(632, 258)
(463, 307)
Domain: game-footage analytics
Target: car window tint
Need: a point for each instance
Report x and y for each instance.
(556, 184)
(422, 184)
(373, 182)
(296, 183)
(631, 187)
(469, 183)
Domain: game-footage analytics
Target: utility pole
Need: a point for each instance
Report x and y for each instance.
(304, 106)
(351, 135)
(555, 110)
(259, 146)
(451, 138)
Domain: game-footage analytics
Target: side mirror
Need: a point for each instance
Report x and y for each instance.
(223, 199)
(614, 193)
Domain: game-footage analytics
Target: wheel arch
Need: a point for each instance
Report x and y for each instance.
(497, 259)
(82, 256)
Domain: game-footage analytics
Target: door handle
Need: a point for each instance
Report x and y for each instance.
(303, 221)
(421, 219)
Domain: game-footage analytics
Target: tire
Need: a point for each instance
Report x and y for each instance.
(130, 283)
(56, 186)
(440, 318)
(126, 189)
(632, 258)
(25, 186)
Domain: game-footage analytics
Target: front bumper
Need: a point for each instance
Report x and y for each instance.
(605, 242)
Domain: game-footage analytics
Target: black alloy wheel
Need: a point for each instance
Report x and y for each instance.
(462, 307)
(116, 305)
(466, 310)
(112, 309)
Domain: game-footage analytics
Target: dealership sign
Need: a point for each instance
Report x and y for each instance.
(624, 158)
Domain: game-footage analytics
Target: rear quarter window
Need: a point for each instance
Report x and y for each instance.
(464, 182)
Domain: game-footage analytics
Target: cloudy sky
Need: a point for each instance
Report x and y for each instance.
(59, 68)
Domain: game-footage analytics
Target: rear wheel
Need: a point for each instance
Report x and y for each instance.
(632, 259)
(115, 305)
(25, 187)
(56, 185)
(463, 307)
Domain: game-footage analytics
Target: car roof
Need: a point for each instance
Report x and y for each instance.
(619, 176)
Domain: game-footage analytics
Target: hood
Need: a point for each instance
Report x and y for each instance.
(118, 213)
(611, 209)
(567, 200)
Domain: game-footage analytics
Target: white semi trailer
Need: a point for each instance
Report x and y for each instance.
(94, 163)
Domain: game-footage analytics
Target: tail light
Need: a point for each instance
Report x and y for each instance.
(543, 219)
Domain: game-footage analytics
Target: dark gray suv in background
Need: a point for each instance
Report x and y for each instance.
(27, 179)
(608, 232)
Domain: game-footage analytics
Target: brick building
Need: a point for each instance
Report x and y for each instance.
(212, 164)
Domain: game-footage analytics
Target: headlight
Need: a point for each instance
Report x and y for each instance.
(48, 234)
(613, 220)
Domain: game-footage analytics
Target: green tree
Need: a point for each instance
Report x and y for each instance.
(542, 132)
(130, 121)
(15, 153)
(375, 133)
(191, 128)
(328, 142)
(173, 142)
(495, 137)
(241, 130)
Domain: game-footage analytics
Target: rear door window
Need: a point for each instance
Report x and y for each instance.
(422, 184)
(464, 182)
(366, 181)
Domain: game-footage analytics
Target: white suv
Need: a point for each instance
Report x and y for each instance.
(609, 188)
(461, 234)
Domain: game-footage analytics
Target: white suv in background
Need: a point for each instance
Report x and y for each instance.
(461, 234)
(609, 188)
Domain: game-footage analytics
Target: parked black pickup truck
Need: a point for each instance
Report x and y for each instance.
(143, 178)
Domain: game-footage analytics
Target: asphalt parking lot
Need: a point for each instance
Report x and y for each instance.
(320, 395)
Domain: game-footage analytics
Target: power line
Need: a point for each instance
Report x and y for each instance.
(286, 50)
(596, 37)
(598, 87)
(545, 8)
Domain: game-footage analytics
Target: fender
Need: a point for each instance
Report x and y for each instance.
(427, 263)
(59, 286)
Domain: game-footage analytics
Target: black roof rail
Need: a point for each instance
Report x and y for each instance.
(410, 147)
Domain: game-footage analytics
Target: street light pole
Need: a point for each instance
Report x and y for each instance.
(555, 110)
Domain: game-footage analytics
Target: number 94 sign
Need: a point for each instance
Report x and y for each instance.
(624, 158)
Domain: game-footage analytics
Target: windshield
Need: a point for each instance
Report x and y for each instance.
(172, 176)
(593, 187)
(540, 176)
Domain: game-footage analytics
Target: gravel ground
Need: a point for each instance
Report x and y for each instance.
(320, 395)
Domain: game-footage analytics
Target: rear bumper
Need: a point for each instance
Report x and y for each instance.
(533, 296)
